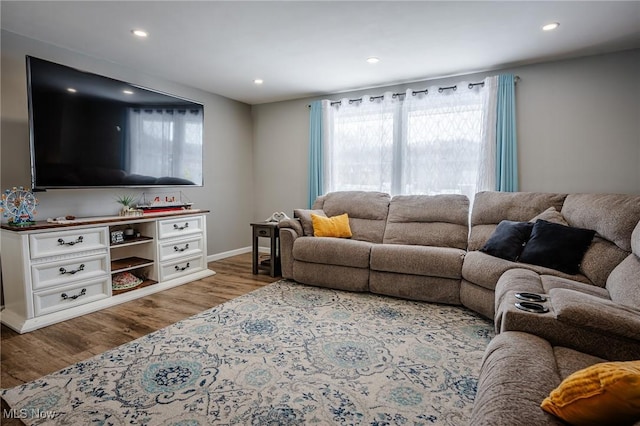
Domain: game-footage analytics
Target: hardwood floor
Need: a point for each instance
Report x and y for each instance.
(26, 357)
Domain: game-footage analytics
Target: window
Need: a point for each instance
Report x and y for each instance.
(442, 150)
(362, 155)
(407, 143)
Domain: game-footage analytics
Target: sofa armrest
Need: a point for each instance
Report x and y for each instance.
(290, 230)
(518, 371)
(595, 313)
(293, 224)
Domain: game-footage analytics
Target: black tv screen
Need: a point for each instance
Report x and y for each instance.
(88, 130)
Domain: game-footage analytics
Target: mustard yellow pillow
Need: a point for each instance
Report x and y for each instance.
(605, 393)
(336, 226)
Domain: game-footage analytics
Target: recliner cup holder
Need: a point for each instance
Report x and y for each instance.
(532, 307)
(531, 297)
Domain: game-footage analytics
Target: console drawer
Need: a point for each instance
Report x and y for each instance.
(48, 301)
(171, 228)
(67, 242)
(174, 249)
(58, 273)
(178, 268)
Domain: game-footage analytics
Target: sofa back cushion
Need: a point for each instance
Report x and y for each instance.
(613, 217)
(490, 208)
(624, 281)
(428, 220)
(367, 212)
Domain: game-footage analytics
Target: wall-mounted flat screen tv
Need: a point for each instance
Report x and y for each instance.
(87, 130)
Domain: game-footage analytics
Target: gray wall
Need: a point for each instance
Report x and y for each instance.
(578, 131)
(578, 124)
(228, 174)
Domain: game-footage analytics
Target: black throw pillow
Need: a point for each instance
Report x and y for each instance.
(557, 246)
(508, 240)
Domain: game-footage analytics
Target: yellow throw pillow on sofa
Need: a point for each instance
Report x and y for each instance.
(605, 393)
(336, 226)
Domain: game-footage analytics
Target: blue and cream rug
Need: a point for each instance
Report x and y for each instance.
(286, 354)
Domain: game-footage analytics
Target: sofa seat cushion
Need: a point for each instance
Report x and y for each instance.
(485, 270)
(569, 361)
(332, 251)
(418, 260)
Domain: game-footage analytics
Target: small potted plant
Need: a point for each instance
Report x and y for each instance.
(127, 202)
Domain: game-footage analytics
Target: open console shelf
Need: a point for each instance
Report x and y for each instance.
(144, 283)
(129, 264)
(133, 241)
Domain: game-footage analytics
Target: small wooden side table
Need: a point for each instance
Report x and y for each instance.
(267, 230)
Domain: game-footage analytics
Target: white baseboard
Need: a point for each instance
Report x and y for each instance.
(225, 254)
(243, 250)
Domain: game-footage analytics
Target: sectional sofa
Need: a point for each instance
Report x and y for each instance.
(533, 353)
(433, 248)
(426, 248)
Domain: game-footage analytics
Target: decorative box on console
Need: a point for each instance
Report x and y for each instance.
(155, 202)
(117, 237)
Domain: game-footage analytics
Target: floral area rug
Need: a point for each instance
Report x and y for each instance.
(285, 354)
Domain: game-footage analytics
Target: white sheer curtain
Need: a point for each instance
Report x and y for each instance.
(165, 142)
(359, 144)
(487, 164)
(412, 143)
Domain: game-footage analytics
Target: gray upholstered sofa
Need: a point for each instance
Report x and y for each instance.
(405, 246)
(417, 247)
(585, 325)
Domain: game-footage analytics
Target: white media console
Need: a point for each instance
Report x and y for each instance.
(54, 272)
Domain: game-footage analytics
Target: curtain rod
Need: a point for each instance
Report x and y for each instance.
(416, 92)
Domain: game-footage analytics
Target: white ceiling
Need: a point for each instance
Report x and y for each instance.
(311, 48)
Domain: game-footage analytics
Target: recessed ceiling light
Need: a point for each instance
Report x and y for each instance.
(550, 27)
(258, 81)
(127, 92)
(71, 90)
(139, 33)
(373, 60)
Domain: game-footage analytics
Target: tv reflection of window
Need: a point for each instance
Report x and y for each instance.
(165, 141)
